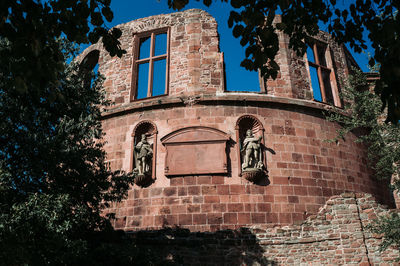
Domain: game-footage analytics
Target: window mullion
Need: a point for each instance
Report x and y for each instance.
(316, 58)
(158, 57)
(167, 61)
(144, 60)
(325, 68)
(150, 85)
(321, 84)
(335, 91)
(319, 73)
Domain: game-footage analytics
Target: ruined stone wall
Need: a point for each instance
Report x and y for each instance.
(336, 235)
(304, 170)
(195, 64)
(293, 79)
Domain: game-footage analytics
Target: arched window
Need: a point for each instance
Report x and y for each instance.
(89, 65)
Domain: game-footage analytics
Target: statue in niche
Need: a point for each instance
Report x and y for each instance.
(144, 155)
(251, 150)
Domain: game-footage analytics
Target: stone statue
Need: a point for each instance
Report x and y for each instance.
(144, 155)
(251, 150)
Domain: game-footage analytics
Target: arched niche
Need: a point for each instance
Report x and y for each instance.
(251, 144)
(90, 60)
(144, 131)
(88, 65)
(195, 150)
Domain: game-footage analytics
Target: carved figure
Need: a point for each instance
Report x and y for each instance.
(252, 156)
(144, 155)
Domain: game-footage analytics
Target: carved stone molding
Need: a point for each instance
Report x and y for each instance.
(191, 100)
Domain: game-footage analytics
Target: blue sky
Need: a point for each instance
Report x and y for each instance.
(237, 77)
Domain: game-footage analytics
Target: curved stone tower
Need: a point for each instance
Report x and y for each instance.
(206, 158)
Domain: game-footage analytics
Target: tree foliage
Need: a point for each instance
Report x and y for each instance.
(253, 22)
(54, 181)
(389, 227)
(363, 115)
(32, 28)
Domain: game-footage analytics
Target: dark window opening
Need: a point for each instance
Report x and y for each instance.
(322, 74)
(88, 67)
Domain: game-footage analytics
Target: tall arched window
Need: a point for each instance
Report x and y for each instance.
(89, 65)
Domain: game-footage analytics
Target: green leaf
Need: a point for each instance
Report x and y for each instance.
(233, 17)
(94, 37)
(177, 4)
(97, 19)
(207, 2)
(248, 64)
(281, 26)
(236, 3)
(237, 30)
(345, 13)
(107, 13)
(105, 2)
(116, 32)
(20, 85)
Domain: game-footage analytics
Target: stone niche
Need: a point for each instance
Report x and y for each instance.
(251, 148)
(144, 148)
(195, 150)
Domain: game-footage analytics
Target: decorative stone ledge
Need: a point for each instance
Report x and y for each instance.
(220, 98)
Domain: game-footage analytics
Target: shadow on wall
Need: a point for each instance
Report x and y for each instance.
(182, 247)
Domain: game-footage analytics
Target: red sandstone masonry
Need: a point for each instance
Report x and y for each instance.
(336, 235)
(304, 171)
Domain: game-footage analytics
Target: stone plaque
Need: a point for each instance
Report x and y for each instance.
(195, 150)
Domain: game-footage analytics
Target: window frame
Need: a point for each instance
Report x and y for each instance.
(151, 59)
(320, 68)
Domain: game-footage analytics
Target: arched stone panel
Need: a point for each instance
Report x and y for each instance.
(195, 150)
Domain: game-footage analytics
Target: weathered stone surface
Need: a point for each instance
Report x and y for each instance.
(341, 240)
(296, 216)
(194, 151)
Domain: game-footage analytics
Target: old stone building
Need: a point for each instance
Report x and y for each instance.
(210, 160)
